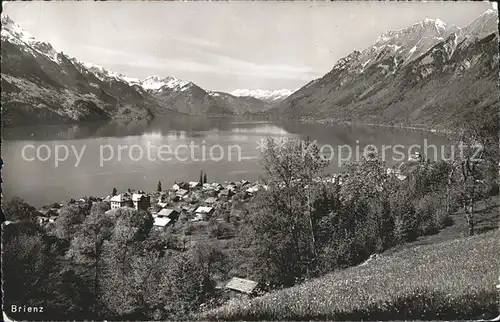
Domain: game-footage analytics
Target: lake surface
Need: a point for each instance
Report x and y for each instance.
(170, 150)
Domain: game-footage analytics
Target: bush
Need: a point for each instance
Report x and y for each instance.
(406, 225)
(494, 190)
(445, 221)
(221, 230)
(189, 229)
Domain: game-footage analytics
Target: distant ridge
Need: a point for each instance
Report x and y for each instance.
(428, 75)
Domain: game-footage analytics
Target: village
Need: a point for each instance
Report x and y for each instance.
(185, 214)
(196, 211)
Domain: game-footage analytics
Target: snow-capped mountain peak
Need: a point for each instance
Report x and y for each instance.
(265, 95)
(13, 33)
(102, 73)
(156, 82)
(483, 25)
(440, 24)
(426, 28)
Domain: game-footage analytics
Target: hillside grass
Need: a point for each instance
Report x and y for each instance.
(449, 280)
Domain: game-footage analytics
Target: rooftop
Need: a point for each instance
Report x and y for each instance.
(162, 204)
(241, 285)
(211, 200)
(166, 212)
(204, 210)
(137, 196)
(120, 198)
(161, 221)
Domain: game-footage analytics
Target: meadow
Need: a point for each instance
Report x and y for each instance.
(449, 280)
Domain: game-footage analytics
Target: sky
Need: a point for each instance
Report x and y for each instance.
(225, 45)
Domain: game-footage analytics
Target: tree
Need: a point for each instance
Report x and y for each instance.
(159, 189)
(115, 192)
(122, 259)
(201, 177)
(282, 223)
(190, 279)
(87, 249)
(364, 194)
(18, 209)
(69, 220)
(204, 178)
(479, 153)
(31, 273)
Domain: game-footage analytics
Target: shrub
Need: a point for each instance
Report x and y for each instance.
(189, 229)
(221, 230)
(406, 225)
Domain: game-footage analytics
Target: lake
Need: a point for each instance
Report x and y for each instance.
(94, 158)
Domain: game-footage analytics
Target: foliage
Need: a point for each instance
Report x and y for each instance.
(222, 230)
(451, 280)
(282, 223)
(18, 209)
(69, 220)
(190, 280)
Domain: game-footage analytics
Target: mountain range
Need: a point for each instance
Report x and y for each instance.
(42, 85)
(264, 95)
(428, 74)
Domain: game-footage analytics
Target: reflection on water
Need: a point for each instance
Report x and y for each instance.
(40, 182)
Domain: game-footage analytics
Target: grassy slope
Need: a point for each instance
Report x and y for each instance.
(449, 280)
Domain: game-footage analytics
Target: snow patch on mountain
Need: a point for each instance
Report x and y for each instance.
(483, 25)
(265, 95)
(13, 33)
(102, 73)
(157, 82)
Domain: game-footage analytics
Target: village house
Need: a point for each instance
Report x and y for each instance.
(48, 212)
(204, 210)
(180, 185)
(201, 213)
(141, 201)
(210, 200)
(47, 215)
(242, 286)
(194, 184)
(170, 213)
(415, 157)
(226, 194)
(181, 192)
(121, 200)
(188, 209)
(161, 223)
(162, 197)
(253, 189)
(197, 217)
(162, 204)
(216, 186)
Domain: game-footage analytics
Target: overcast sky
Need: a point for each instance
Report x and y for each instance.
(225, 46)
